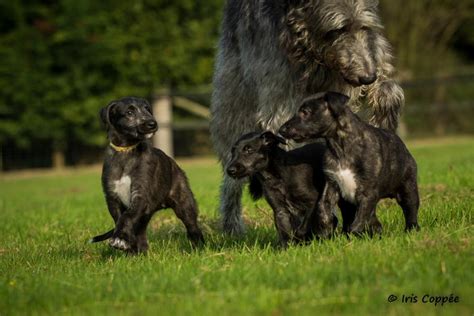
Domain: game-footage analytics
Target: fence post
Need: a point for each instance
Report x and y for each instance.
(163, 112)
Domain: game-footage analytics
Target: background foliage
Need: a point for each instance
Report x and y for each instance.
(61, 60)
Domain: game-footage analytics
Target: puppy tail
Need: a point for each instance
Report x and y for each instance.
(255, 188)
(102, 237)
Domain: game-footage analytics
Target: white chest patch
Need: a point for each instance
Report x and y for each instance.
(346, 182)
(122, 189)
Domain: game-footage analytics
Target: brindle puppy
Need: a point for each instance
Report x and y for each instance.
(363, 163)
(292, 181)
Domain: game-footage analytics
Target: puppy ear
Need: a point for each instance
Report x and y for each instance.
(149, 107)
(269, 138)
(103, 116)
(105, 113)
(336, 102)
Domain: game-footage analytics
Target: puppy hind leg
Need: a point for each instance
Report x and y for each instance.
(409, 201)
(187, 212)
(188, 215)
(231, 206)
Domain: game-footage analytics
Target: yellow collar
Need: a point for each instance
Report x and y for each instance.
(123, 149)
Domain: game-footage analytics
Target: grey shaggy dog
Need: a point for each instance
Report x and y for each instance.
(274, 53)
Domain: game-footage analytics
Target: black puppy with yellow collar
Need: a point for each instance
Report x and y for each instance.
(139, 180)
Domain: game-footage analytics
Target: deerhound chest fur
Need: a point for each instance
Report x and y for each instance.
(274, 53)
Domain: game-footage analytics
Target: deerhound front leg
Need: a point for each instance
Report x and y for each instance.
(231, 206)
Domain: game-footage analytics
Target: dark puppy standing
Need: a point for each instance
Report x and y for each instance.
(363, 164)
(291, 181)
(139, 180)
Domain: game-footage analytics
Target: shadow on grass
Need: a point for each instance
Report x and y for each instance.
(172, 238)
(215, 240)
(167, 236)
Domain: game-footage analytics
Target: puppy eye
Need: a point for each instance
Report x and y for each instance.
(129, 113)
(304, 113)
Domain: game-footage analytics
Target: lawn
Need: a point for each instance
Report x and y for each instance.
(47, 266)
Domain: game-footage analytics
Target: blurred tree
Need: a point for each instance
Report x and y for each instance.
(63, 60)
(422, 33)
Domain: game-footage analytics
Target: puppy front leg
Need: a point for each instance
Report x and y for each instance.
(365, 216)
(125, 234)
(115, 207)
(283, 226)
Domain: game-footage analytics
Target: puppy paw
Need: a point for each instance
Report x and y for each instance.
(120, 244)
(412, 227)
(299, 233)
(356, 229)
(361, 229)
(142, 245)
(376, 229)
(196, 239)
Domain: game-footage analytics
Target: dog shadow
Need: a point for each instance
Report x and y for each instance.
(215, 240)
(173, 239)
(170, 236)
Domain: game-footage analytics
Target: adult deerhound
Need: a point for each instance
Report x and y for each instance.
(274, 53)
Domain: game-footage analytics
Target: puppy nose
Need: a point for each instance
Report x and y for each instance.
(232, 170)
(151, 124)
(368, 79)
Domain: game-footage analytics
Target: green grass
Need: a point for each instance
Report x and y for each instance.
(46, 266)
